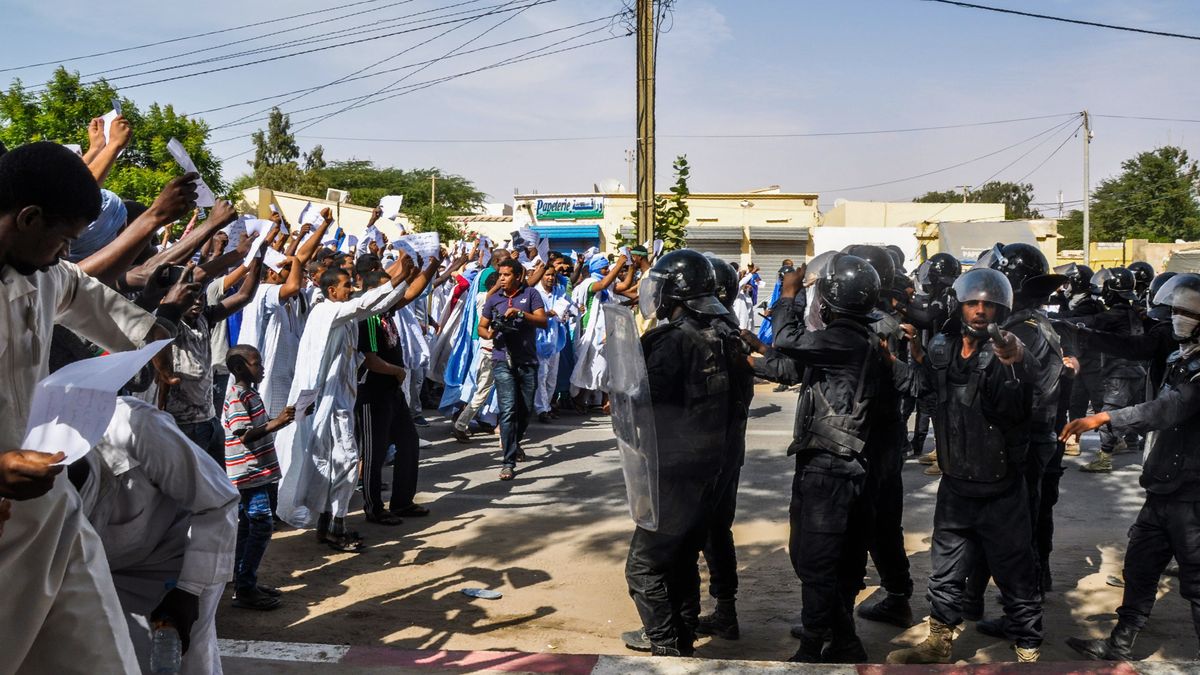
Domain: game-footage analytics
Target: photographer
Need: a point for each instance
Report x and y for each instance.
(511, 318)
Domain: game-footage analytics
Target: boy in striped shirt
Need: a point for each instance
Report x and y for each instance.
(252, 465)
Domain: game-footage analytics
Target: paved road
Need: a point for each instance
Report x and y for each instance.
(554, 542)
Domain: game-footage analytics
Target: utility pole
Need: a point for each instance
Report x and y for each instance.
(645, 120)
(1087, 190)
(630, 160)
(432, 193)
(966, 191)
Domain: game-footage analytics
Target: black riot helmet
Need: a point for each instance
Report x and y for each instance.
(727, 280)
(1026, 268)
(1182, 295)
(1143, 274)
(1114, 285)
(681, 277)
(897, 257)
(1156, 311)
(943, 270)
(984, 284)
(849, 287)
(1078, 276)
(879, 259)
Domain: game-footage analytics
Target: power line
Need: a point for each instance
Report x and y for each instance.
(448, 54)
(1050, 156)
(425, 85)
(1051, 130)
(255, 24)
(310, 90)
(1094, 24)
(366, 68)
(1151, 119)
(283, 56)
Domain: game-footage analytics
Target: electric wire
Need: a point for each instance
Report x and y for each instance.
(1081, 22)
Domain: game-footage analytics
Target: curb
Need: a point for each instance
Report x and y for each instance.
(448, 661)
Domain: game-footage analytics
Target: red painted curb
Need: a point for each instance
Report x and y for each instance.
(570, 664)
(1048, 668)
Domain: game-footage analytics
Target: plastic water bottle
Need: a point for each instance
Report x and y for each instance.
(166, 650)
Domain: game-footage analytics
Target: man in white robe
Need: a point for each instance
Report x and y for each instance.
(319, 455)
(167, 515)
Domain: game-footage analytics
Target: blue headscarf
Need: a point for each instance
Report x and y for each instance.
(597, 264)
(100, 232)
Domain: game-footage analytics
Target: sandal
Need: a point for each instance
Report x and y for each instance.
(349, 542)
(412, 511)
(386, 518)
(507, 473)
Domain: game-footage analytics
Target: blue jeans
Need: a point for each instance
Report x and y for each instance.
(515, 385)
(209, 436)
(256, 521)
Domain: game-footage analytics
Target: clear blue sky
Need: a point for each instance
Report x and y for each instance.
(725, 67)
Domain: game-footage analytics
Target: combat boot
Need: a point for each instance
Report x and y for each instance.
(932, 470)
(636, 640)
(1028, 654)
(669, 648)
(722, 622)
(846, 648)
(1071, 448)
(928, 459)
(1103, 464)
(892, 609)
(935, 649)
(1118, 646)
(810, 649)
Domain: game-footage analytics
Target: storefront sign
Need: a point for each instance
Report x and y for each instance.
(570, 208)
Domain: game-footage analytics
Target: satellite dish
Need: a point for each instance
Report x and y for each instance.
(610, 185)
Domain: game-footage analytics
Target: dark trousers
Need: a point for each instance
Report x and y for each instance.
(256, 522)
(383, 419)
(1164, 528)
(209, 436)
(886, 492)
(926, 405)
(1088, 389)
(719, 553)
(998, 527)
(662, 569)
(515, 386)
(1119, 392)
(830, 526)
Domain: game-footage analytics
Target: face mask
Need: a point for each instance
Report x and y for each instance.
(1184, 327)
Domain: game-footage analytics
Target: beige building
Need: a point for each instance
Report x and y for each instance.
(760, 226)
(906, 214)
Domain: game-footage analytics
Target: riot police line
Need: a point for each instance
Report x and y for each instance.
(1004, 359)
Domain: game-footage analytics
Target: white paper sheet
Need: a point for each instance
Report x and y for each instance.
(563, 307)
(426, 244)
(305, 398)
(110, 117)
(204, 194)
(72, 407)
(391, 206)
(274, 259)
(236, 230)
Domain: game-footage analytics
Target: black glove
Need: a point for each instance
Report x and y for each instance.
(180, 609)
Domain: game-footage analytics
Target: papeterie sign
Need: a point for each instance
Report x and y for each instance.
(570, 208)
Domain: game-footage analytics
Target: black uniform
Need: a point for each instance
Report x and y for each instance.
(1043, 359)
(982, 432)
(1169, 522)
(1119, 380)
(886, 447)
(1088, 385)
(928, 314)
(719, 553)
(829, 516)
(688, 372)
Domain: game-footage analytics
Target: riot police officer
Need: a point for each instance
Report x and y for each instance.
(1029, 274)
(1143, 275)
(927, 313)
(719, 553)
(1169, 522)
(688, 372)
(887, 447)
(843, 370)
(984, 399)
(1086, 387)
(1120, 380)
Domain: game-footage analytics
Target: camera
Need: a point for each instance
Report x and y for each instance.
(508, 325)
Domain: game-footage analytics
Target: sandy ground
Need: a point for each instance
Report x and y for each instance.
(554, 541)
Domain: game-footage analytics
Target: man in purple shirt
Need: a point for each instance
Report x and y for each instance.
(510, 318)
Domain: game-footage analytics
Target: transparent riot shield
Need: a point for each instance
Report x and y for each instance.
(632, 416)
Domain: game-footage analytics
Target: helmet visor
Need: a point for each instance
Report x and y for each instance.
(987, 285)
(706, 304)
(992, 258)
(650, 294)
(815, 269)
(1181, 291)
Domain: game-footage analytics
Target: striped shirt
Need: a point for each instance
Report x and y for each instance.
(254, 464)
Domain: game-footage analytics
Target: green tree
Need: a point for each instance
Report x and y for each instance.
(670, 213)
(1070, 229)
(62, 110)
(1154, 197)
(276, 145)
(1015, 197)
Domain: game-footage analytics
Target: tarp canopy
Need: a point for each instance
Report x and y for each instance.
(966, 241)
(1184, 261)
